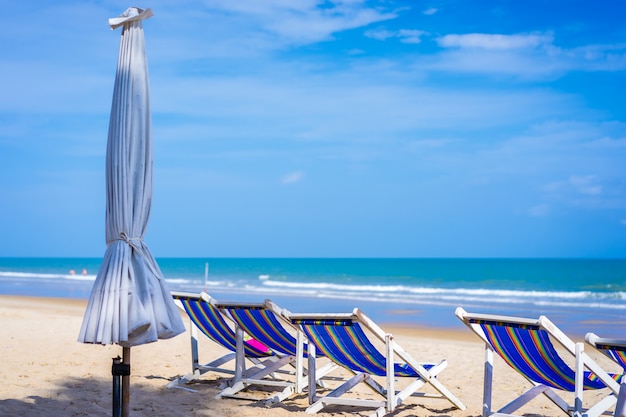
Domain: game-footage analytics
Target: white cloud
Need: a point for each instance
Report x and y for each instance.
(424, 145)
(552, 187)
(292, 178)
(430, 11)
(586, 184)
(494, 41)
(411, 36)
(540, 210)
(380, 34)
(301, 22)
(528, 56)
(404, 35)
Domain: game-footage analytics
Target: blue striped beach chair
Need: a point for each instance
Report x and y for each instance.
(270, 325)
(526, 345)
(616, 350)
(207, 318)
(354, 341)
(613, 348)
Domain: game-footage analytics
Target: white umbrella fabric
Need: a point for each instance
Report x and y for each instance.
(130, 304)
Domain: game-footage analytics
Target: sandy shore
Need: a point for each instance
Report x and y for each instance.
(46, 372)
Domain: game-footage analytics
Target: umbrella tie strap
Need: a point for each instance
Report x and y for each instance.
(133, 242)
(129, 240)
(137, 244)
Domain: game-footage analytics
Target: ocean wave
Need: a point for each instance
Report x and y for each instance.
(445, 296)
(480, 301)
(25, 276)
(511, 295)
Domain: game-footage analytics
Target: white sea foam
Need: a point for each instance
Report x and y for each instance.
(481, 292)
(438, 295)
(34, 276)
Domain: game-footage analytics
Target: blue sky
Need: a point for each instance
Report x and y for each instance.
(326, 128)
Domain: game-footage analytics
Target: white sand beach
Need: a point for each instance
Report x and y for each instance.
(46, 372)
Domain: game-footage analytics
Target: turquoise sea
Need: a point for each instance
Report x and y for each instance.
(579, 295)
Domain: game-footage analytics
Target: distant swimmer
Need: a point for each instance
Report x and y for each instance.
(84, 272)
(72, 272)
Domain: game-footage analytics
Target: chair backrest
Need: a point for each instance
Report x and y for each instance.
(613, 348)
(260, 322)
(529, 350)
(344, 341)
(211, 322)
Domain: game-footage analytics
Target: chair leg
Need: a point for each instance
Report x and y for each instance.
(578, 381)
(337, 392)
(391, 390)
(488, 380)
(300, 383)
(602, 406)
(240, 361)
(277, 398)
(620, 408)
(312, 364)
(194, 346)
(523, 399)
(201, 369)
(255, 378)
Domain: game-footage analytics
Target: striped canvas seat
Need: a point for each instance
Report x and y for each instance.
(267, 323)
(211, 322)
(263, 324)
(345, 342)
(204, 316)
(351, 341)
(526, 345)
(529, 350)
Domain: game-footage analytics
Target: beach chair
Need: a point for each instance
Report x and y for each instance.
(613, 348)
(526, 345)
(204, 316)
(616, 350)
(269, 324)
(354, 341)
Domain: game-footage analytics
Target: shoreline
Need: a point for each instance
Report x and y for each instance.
(46, 371)
(428, 321)
(77, 306)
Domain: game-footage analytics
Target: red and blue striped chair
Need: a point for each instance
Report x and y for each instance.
(526, 345)
(207, 318)
(355, 342)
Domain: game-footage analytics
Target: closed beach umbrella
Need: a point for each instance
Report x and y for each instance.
(130, 304)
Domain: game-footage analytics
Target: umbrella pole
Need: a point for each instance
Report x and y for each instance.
(117, 387)
(126, 383)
